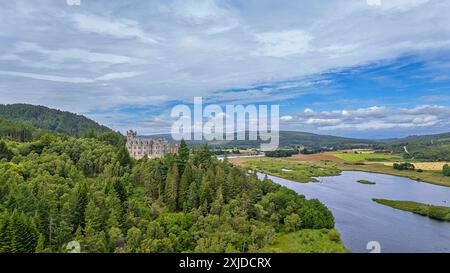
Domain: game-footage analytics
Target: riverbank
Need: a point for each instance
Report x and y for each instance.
(330, 161)
(436, 212)
(359, 219)
(308, 241)
(288, 169)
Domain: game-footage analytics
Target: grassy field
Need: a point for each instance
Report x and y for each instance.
(328, 160)
(436, 212)
(288, 169)
(366, 182)
(426, 166)
(308, 241)
(367, 157)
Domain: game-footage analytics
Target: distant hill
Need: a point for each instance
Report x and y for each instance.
(427, 147)
(289, 139)
(47, 119)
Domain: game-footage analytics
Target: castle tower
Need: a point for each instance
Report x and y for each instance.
(131, 134)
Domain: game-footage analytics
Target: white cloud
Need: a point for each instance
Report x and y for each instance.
(44, 77)
(119, 28)
(373, 2)
(63, 55)
(119, 75)
(373, 118)
(188, 48)
(283, 43)
(286, 118)
(75, 80)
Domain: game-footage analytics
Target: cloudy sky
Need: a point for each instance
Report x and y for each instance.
(361, 68)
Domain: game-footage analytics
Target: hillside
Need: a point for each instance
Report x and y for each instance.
(47, 119)
(290, 138)
(426, 147)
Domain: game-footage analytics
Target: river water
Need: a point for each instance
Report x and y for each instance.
(361, 220)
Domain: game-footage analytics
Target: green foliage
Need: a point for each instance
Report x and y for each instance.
(403, 166)
(18, 234)
(288, 169)
(366, 182)
(49, 120)
(58, 189)
(5, 153)
(367, 157)
(446, 170)
(307, 241)
(436, 212)
(281, 153)
(16, 131)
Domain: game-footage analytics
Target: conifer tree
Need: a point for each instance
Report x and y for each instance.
(192, 197)
(186, 180)
(5, 153)
(171, 191)
(217, 204)
(183, 156)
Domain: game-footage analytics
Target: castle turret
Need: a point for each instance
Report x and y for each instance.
(131, 134)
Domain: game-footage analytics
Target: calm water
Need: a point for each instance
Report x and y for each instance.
(360, 220)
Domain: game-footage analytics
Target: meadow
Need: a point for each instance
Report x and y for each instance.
(289, 169)
(367, 157)
(308, 241)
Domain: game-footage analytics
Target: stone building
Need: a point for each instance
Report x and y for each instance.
(139, 147)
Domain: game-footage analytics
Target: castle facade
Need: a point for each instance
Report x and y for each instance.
(139, 147)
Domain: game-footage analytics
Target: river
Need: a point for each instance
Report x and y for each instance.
(360, 220)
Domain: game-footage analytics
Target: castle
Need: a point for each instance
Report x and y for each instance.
(148, 147)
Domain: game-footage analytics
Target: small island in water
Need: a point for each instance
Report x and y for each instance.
(366, 182)
(441, 213)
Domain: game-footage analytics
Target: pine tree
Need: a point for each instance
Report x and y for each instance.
(171, 191)
(114, 211)
(183, 155)
(124, 157)
(217, 204)
(186, 180)
(134, 238)
(24, 234)
(78, 204)
(6, 233)
(5, 153)
(192, 197)
(93, 216)
(114, 238)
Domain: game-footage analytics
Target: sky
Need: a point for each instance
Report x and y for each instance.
(360, 68)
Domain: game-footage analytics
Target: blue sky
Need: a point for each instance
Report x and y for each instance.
(361, 68)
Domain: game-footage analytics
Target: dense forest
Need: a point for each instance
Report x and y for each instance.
(59, 189)
(50, 120)
(16, 131)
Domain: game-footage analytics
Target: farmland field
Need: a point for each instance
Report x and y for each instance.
(367, 157)
(427, 166)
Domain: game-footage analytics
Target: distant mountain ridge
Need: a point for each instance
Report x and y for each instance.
(48, 119)
(287, 138)
(23, 122)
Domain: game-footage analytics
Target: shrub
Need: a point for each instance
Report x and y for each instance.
(403, 166)
(446, 170)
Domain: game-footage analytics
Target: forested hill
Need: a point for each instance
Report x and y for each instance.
(291, 138)
(52, 120)
(426, 147)
(60, 189)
